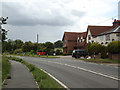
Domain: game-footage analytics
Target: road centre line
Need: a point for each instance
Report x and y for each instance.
(101, 74)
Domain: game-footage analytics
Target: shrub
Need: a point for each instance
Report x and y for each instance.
(96, 48)
(58, 52)
(18, 51)
(114, 47)
(67, 54)
(32, 52)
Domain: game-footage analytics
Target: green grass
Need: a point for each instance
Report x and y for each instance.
(41, 56)
(0, 72)
(102, 61)
(5, 67)
(43, 80)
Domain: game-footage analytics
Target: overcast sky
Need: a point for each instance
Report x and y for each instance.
(51, 18)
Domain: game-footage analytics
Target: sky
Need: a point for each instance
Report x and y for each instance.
(51, 18)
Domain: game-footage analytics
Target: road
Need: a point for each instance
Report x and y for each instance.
(78, 74)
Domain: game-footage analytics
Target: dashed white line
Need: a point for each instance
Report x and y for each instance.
(101, 74)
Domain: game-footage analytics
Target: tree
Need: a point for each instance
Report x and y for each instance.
(27, 46)
(42, 47)
(58, 44)
(49, 48)
(18, 43)
(3, 32)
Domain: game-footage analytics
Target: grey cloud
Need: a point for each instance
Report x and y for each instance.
(78, 13)
(16, 15)
(28, 33)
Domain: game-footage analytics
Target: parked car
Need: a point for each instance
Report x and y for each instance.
(78, 53)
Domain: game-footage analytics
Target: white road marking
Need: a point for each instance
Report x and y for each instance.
(101, 74)
(63, 85)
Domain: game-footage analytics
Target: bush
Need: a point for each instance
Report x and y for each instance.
(18, 51)
(67, 54)
(114, 47)
(58, 52)
(32, 52)
(96, 48)
(70, 51)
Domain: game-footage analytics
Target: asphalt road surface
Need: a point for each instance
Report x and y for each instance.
(78, 74)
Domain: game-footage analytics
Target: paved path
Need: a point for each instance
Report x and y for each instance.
(20, 77)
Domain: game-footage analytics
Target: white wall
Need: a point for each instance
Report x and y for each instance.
(89, 33)
(102, 39)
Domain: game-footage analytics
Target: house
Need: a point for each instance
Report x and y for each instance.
(73, 40)
(109, 36)
(103, 34)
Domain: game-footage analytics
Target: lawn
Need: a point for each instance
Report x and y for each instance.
(43, 80)
(102, 61)
(5, 67)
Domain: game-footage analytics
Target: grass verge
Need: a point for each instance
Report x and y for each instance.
(41, 56)
(102, 61)
(43, 80)
(5, 67)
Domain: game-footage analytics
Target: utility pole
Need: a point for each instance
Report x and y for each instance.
(37, 42)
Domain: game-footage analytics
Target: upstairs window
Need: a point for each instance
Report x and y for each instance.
(118, 34)
(89, 37)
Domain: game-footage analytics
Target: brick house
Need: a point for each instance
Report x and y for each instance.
(73, 40)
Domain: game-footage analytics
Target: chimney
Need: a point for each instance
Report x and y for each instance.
(116, 23)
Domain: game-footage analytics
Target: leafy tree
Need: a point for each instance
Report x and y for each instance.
(49, 48)
(58, 44)
(27, 46)
(42, 47)
(3, 32)
(18, 43)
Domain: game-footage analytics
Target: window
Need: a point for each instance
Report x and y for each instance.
(112, 39)
(65, 41)
(118, 34)
(106, 42)
(101, 38)
(78, 40)
(89, 37)
(108, 37)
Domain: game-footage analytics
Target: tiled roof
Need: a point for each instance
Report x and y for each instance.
(115, 30)
(73, 35)
(96, 30)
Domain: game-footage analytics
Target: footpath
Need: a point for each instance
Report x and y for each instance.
(20, 78)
